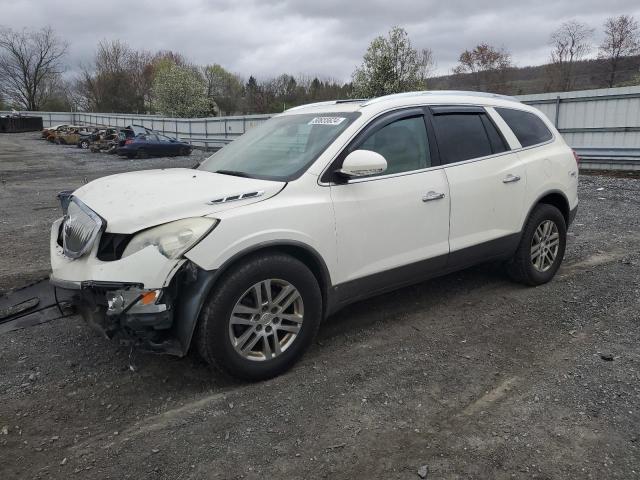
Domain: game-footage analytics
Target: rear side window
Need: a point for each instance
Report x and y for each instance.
(463, 136)
(527, 127)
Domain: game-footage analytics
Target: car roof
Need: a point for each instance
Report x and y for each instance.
(427, 97)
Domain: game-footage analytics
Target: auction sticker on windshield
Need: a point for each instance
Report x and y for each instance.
(327, 121)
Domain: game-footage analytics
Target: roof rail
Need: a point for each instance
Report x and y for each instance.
(328, 102)
(317, 104)
(465, 93)
(352, 100)
(368, 101)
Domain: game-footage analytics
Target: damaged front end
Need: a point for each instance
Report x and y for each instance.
(137, 289)
(145, 318)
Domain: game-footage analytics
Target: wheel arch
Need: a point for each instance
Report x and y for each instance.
(555, 198)
(194, 294)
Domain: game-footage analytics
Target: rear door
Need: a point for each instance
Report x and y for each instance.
(486, 182)
(391, 228)
(154, 145)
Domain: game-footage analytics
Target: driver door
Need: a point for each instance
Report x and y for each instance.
(392, 228)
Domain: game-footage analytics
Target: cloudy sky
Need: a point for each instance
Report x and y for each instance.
(315, 37)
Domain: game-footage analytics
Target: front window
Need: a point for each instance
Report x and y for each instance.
(403, 144)
(281, 148)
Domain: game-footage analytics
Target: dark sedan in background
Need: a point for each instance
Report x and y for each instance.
(153, 145)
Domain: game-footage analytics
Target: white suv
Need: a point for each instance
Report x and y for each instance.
(321, 206)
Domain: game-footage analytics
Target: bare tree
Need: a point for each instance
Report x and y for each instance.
(489, 66)
(621, 39)
(571, 42)
(29, 62)
(118, 80)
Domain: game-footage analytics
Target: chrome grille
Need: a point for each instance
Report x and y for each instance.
(80, 229)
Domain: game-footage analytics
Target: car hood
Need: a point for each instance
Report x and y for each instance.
(133, 201)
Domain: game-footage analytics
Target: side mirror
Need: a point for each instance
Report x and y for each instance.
(361, 163)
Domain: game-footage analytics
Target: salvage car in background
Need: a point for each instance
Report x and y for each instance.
(53, 134)
(88, 137)
(49, 130)
(107, 140)
(71, 136)
(153, 144)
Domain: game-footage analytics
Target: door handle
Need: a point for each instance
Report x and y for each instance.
(511, 179)
(429, 196)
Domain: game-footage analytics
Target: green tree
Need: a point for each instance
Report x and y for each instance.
(180, 91)
(224, 88)
(392, 65)
(254, 97)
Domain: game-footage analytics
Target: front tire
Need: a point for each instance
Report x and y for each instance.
(261, 317)
(541, 247)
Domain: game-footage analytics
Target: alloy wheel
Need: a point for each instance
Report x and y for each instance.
(266, 320)
(545, 245)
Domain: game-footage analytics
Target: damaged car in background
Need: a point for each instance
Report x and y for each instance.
(150, 144)
(47, 131)
(72, 135)
(321, 206)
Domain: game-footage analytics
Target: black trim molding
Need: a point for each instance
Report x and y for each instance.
(349, 292)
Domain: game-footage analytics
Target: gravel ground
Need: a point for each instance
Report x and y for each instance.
(466, 376)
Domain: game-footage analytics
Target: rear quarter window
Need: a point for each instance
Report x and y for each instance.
(528, 128)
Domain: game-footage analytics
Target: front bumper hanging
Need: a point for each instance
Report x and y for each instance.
(156, 320)
(126, 312)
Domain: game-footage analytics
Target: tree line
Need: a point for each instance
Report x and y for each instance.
(121, 79)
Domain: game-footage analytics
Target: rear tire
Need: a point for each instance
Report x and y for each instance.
(541, 247)
(241, 332)
(84, 144)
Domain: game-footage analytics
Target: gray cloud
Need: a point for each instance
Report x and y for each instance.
(327, 37)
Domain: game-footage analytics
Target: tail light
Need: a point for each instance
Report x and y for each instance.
(129, 140)
(577, 157)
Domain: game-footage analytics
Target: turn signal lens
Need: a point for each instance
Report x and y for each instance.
(149, 297)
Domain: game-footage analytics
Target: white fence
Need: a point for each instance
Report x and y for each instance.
(603, 125)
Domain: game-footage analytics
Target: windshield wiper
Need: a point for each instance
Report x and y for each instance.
(235, 173)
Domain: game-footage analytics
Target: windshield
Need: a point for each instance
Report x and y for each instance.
(281, 148)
